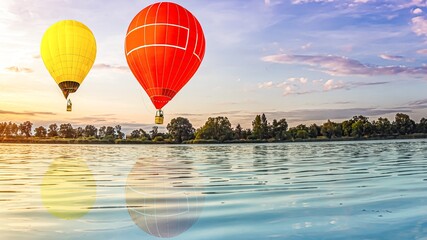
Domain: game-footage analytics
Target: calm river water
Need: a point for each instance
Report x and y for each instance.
(324, 190)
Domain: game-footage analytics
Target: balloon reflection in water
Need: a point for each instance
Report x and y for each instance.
(68, 188)
(163, 197)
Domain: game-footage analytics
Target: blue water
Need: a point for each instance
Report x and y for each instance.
(323, 190)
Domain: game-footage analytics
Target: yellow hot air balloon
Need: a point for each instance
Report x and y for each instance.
(68, 50)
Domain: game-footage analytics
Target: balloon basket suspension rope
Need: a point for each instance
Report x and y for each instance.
(159, 117)
(69, 105)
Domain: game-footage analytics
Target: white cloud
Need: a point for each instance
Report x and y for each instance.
(288, 90)
(414, 3)
(265, 85)
(310, 1)
(422, 51)
(108, 66)
(306, 46)
(391, 57)
(317, 81)
(419, 26)
(350, 3)
(417, 11)
(16, 69)
(332, 84)
(337, 65)
(300, 80)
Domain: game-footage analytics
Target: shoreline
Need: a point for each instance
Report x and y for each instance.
(33, 140)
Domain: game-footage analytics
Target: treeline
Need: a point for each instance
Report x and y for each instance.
(219, 129)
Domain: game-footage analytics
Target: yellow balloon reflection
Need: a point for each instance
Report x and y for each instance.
(164, 197)
(68, 188)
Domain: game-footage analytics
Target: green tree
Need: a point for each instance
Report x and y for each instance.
(13, 129)
(25, 128)
(382, 126)
(238, 132)
(313, 131)
(53, 130)
(180, 129)
(246, 133)
(357, 129)
(421, 127)
(264, 127)
(66, 130)
(154, 132)
(40, 132)
(119, 133)
(218, 128)
(110, 132)
(346, 127)
(257, 127)
(144, 134)
(90, 131)
(403, 124)
(7, 132)
(291, 134)
(328, 129)
(3, 127)
(361, 126)
(279, 129)
(102, 132)
(135, 134)
(337, 130)
(78, 132)
(301, 131)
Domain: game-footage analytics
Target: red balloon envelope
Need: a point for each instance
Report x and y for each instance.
(164, 47)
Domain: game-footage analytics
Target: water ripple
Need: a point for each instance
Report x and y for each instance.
(325, 190)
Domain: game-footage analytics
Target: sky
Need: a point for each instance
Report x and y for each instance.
(303, 60)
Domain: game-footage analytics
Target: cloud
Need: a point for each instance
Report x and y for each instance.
(369, 83)
(391, 57)
(417, 11)
(419, 26)
(288, 89)
(108, 66)
(310, 1)
(336, 65)
(414, 3)
(5, 112)
(342, 102)
(350, 3)
(265, 85)
(317, 81)
(299, 86)
(418, 104)
(19, 69)
(332, 84)
(301, 80)
(306, 46)
(290, 86)
(330, 113)
(422, 51)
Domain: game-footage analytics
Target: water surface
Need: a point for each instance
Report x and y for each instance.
(323, 190)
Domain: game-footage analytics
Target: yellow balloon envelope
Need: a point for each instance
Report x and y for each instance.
(68, 50)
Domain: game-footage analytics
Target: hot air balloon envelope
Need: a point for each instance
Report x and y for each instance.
(164, 47)
(68, 50)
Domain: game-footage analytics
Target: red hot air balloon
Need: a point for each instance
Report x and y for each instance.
(164, 47)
